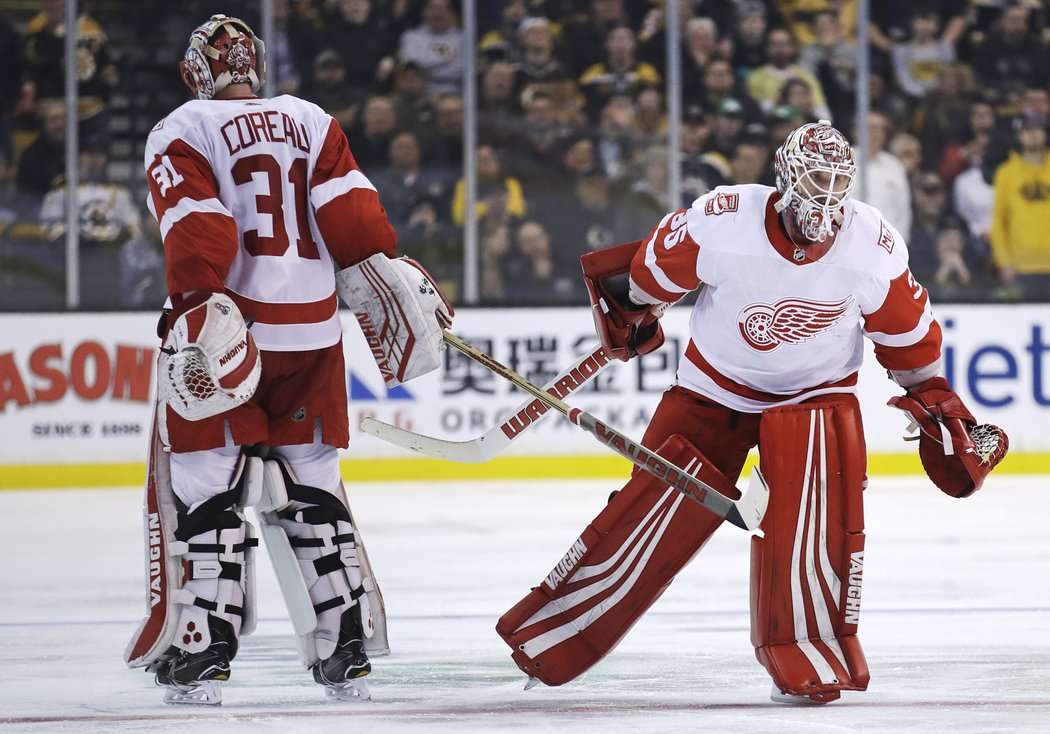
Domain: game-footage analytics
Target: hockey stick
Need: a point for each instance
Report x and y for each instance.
(746, 512)
(496, 439)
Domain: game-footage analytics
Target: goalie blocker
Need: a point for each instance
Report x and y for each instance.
(806, 569)
(402, 314)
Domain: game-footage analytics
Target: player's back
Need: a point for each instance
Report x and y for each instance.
(260, 156)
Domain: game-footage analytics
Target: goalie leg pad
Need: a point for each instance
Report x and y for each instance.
(621, 563)
(317, 556)
(806, 569)
(200, 562)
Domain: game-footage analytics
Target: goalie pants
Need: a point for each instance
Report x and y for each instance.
(297, 392)
(806, 566)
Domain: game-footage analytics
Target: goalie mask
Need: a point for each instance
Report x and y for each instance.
(815, 173)
(223, 51)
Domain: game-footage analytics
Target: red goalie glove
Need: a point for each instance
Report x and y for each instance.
(956, 453)
(625, 329)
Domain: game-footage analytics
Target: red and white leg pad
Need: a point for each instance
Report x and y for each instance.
(621, 563)
(807, 567)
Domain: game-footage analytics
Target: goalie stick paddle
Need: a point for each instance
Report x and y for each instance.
(496, 439)
(746, 512)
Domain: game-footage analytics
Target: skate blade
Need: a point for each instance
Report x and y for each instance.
(778, 696)
(208, 693)
(352, 690)
(532, 682)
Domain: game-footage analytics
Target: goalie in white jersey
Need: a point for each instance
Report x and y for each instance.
(794, 278)
(265, 217)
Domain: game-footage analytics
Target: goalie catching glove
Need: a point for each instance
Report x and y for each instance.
(956, 452)
(402, 314)
(626, 329)
(212, 362)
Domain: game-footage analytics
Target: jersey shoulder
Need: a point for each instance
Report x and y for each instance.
(183, 123)
(875, 245)
(727, 206)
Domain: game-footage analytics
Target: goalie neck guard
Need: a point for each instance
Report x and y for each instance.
(815, 173)
(223, 51)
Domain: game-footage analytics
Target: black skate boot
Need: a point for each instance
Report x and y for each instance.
(343, 673)
(194, 677)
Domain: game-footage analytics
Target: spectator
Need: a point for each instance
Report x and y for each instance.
(798, 15)
(749, 39)
(890, 21)
(953, 273)
(886, 100)
(412, 107)
(44, 61)
(796, 93)
(110, 234)
(650, 119)
(494, 246)
(941, 118)
(500, 196)
(437, 46)
(972, 196)
(404, 186)
(527, 268)
(43, 162)
(370, 140)
(617, 144)
(886, 180)
(536, 152)
(329, 89)
(498, 112)
(917, 63)
(750, 162)
(584, 36)
(648, 196)
(832, 59)
(720, 84)
(727, 128)
(699, 47)
(765, 82)
(620, 73)
(503, 43)
(538, 67)
(906, 148)
(287, 53)
(1012, 55)
(444, 146)
(366, 41)
(930, 206)
(10, 90)
(1020, 239)
(699, 174)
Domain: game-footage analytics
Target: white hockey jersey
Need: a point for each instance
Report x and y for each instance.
(775, 324)
(262, 199)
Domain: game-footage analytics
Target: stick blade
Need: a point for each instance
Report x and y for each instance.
(465, 452)
(748, 511)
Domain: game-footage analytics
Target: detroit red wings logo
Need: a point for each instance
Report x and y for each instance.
(789, 321)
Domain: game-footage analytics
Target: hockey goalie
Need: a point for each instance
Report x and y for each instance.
(266, 217)
(795, 278)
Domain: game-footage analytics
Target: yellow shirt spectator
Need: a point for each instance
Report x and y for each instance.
(1020, 238)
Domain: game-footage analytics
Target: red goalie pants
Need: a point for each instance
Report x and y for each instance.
(805, 581)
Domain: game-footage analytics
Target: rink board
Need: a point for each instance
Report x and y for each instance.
(75, 393)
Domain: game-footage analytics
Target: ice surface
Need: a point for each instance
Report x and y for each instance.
(955, 623)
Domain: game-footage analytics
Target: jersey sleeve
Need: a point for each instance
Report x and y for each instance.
(199, 232)
(907, 337)
(352, 222)
(665, 268)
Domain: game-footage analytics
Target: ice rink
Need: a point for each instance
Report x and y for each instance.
(955, 622)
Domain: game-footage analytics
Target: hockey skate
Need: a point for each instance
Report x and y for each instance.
(194, 678)
(813, 699)
(342, 674)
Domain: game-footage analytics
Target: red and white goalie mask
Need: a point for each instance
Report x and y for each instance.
(223, 51)
(815, 175)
